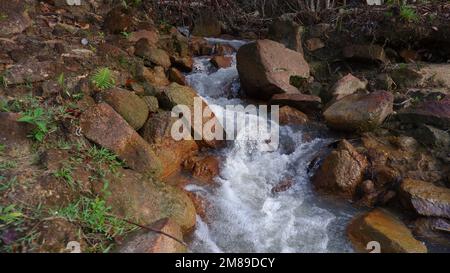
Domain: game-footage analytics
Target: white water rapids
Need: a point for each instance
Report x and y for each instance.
(244, 215)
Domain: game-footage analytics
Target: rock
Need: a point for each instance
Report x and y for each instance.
(406, 76)
(372, 53)
(305, 103)
(104, 126)
(146, 201)
(347, 85)
(319, 30)
(152, 103)
(283, 186)
(175, 44)
(171, 153)
(14, 18)
(155, 76)
(435, 113)
(360, 112)
(176, 76)
(151, 36)
(426, 198)
(201, 47)
(314, 44)
(151, 53)
(56, 234)
(221, 61)
(342, 170)
(436, 74)
(431, 136)
(176, 94)
(384, 82)
(265, 68)
(14, 135)
(409, 55)
(381, 226)
(118, 20)
(130, 106)
(433, 229)
(30, 71)
(207, 25)
(287, 32)
(184, 64)
(204, 169)
(291, 116)
(151, 242)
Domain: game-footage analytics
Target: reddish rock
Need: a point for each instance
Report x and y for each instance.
(436, 113)
(385, 229)
(205, 169)
(265, 68)
(291, 116)
(104, 126)
(176, 76)
(314, 44)
(155, 76)
(145, 241)
(152, 36)
(359, 112)
(129, 105)
(221, 61)
(305, 103)
(347, 85)
(342, 170)
(426, 198)
(184, 64)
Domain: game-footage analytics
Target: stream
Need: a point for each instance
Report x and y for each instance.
(244, 215)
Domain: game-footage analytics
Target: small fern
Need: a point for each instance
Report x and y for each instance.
(408, 14)
(103, 79)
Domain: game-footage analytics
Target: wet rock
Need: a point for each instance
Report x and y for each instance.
(433, 229)
(291, 116)
(184, 64)
(314, 44)
(283, 186)
(155, 76)
(171, 153)
(224, 49)
(347, 85)
(14, 135)
(56, 234)
(104, 126)
(207, 25)
(205, 169)
(305, 103)
(287, 32)
(265, 68)
(118, 20)
(426, 198)
(146, 201)
(30, 71)
(176, 76)
(384, 228)
(201, 47)
(14, 18)
(221, 61)
(130, 106)
(435, 113)
(372, 53)
(151, 36)
(342, 170)
(151, 242)
(360, 112)
(152, 54)
(152, 103)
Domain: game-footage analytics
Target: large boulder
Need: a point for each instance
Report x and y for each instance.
(104, 126)
(284, 30)
(306, 103)
(152, 242)
(360, 112)
(341, 171)
(172, 153)
(382, 227)
(265, 68)
(129, 105)
(14, 18)
(133, 196)
(152, 54)
(426, 198)
(207, 25)
(433, 112)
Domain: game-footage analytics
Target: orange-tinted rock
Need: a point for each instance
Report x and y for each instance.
(176, 76)
(291, 116)
(184, 64)
(155, 76)
(221, 61)
(205, 169)
(382, 227)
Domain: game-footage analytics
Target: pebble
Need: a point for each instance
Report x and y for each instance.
(84, 41)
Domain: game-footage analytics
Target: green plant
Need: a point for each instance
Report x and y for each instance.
(102, 155)
(408, 14)
(2, 148)
(40, 119)
(126, 34)
(65, 173)
(8, 164)
(3, 16)
(8, 184)
(3, 81)
(103, 78)
(9, 215)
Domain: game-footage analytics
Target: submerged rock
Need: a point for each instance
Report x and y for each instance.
(265, 68)
(385, 229)
(341, 171)
(151, 242)
(426, 198)
(360, 112)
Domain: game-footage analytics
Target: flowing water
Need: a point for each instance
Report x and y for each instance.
(245, 216)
